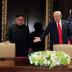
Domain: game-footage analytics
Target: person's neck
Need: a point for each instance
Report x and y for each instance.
(19, 24)
(58, 21)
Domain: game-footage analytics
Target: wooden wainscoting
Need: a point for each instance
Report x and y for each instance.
(23, 65)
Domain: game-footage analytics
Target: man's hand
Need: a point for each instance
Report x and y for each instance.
(37, 39)
(30, 49)
(7, 42)
(69, 41)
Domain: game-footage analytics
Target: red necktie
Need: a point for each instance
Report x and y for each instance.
(60, 33)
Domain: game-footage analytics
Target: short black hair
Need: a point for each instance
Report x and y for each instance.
(38, 25)
(19, 16)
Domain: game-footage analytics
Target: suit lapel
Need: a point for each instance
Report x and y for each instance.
(63, 28)
(56, 28)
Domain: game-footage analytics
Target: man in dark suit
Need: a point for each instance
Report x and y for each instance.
(58, 30)
(19, 34)
(38, 46)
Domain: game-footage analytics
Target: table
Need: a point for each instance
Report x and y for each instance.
(23, 65)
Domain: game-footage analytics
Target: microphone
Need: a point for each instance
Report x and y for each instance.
(70, 12)
(69, 18)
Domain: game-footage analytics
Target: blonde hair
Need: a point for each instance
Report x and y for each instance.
(57, 13)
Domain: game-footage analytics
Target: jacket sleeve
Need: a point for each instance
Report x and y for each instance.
(10, 35)
(46, 32)
(29, 38)
(69, 31)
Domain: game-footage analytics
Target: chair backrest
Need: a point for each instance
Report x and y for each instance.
(7, 50)
(63, 47)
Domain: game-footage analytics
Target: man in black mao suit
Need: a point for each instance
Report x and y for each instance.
(19, 34)
(58, 30)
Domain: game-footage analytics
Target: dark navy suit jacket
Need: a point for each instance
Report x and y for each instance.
(53, 30)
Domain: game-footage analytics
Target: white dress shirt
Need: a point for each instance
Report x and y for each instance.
(59, 23)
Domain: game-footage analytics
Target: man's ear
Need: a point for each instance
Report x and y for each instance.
(15, 18)
(61, 16)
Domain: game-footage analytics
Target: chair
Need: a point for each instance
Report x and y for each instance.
(63, 47)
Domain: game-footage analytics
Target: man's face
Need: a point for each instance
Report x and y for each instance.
(20, 20)
(57, 17)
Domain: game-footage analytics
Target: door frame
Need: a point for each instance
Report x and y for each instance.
(48, 17)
